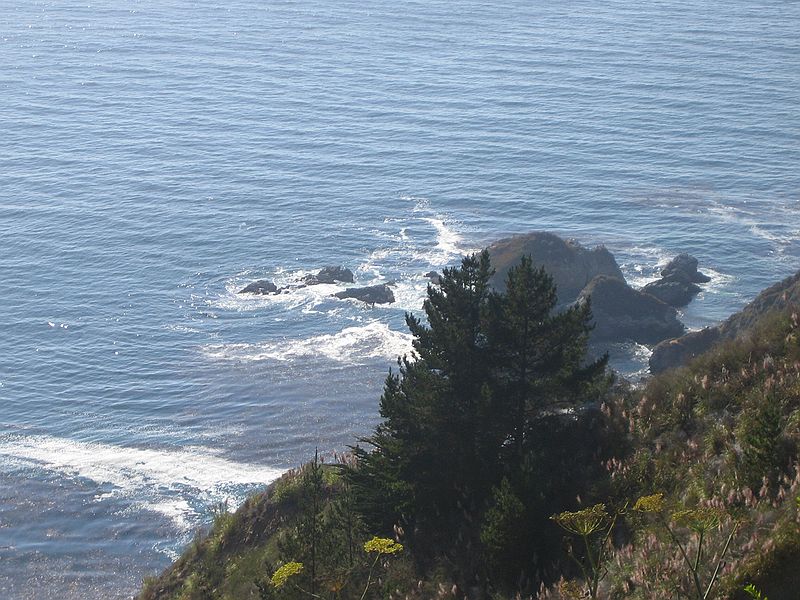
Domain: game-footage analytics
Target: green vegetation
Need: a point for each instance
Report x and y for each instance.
(699, 523)
(594, 527)
(753, 592)
(508, 465)
(460, 447)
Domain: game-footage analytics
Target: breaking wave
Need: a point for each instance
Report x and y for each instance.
(167, 482)
(352, 345)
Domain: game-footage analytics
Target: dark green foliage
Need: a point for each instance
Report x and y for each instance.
(467, 410)
(503, 539)
(762, 445)
(344, 523)
(429, 461)
(304, 542)
(563, 462)
(327, 536)
(537, 355)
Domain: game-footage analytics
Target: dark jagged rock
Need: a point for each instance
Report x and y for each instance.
(677, 352)
(678, 283)
(672, 292)
(373, 294)
(571, 265)
(330, 275)
(621, 313)
(434, 277)
(684, 267)
(261, 287)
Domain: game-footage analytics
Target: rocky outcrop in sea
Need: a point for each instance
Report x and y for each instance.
(372, 294)
(262, 287)
(330, 275)
(678, 284)
(621, 313)
(571, 265)
(336, 274)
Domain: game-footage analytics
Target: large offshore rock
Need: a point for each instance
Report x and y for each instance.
(621, 313)
(373, 294)
(677, 352)
(571, 265)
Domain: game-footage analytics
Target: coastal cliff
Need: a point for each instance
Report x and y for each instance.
(716, 442)
(676, 352)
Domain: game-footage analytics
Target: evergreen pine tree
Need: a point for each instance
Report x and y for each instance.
(426, 460)
(458, 415)
(538, 355)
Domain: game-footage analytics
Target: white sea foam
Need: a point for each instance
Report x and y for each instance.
(631, 359)
(177, 328)
(776, 225)
(643, 265)
(719, 280)
(641, 351)
(352, 345)
(410, 293)
(293, 294)
(444, 247)
(157, 480)
(780, 236)
(448, 242)
(778, 231)
(177, 510)
(640, 356)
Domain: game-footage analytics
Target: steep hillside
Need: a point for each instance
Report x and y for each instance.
(676, 352)
(690, 486)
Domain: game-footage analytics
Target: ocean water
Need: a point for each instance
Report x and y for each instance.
(158, 155)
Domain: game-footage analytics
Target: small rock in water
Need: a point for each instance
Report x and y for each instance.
(435, 278)
(373, 294)
(330, 275)
(261, 287)
(678, 283)
(672, 292)
(684, 266)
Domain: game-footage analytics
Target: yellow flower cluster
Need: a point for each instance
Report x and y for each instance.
(383, 546)
(650, 504)
(698, 519)
(583, 522)
(282, 575)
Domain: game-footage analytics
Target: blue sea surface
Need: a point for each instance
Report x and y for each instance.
(158, 155)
